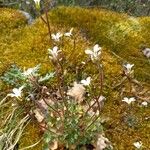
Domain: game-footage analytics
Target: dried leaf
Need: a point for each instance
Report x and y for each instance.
(102, 143)
(77, 92)
(38, 115)
(54, 145)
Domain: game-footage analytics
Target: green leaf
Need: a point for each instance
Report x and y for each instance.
(46, 77)
(48, 137)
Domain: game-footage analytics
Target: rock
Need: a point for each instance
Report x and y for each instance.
(28, 16)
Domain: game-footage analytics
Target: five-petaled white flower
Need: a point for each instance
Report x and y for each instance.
(16, 92)
(94, 53)
(69, 33)
(86, 82)
(128, 68)
(138, 144)
(54, 52)
(56, 37)
(144, 103)
(129, 100)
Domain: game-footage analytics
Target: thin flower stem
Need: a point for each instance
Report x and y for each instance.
(48, 24)
(74, 43)
(88, 109)
(62, 42)
(91, 123)
(130, 82)
(84, 130)
(59, 87)
(51, 107)
(59, 67)
(99, 108)
(43, 20)
(101, 74)
(60, 81)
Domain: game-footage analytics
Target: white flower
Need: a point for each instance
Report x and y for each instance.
(146, 52)
(94, 53)
(129, 100)
(128, 68)
(86, 82)
(54, 52)
(16, 92)
(138, 144)
(56, 37)
(37, 2)
(144, 103)
(69, 33)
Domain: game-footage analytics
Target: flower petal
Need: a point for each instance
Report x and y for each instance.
(55, 49)
(89, 52)
(96, 48)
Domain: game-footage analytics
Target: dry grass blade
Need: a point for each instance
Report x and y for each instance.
(12, 130)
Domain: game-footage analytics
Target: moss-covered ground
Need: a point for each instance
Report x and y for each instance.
(121, 37)
(122, 34)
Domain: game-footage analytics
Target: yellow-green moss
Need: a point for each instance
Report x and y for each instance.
(10, 19)
(119, 33)
(32, 135)
(145, 29)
